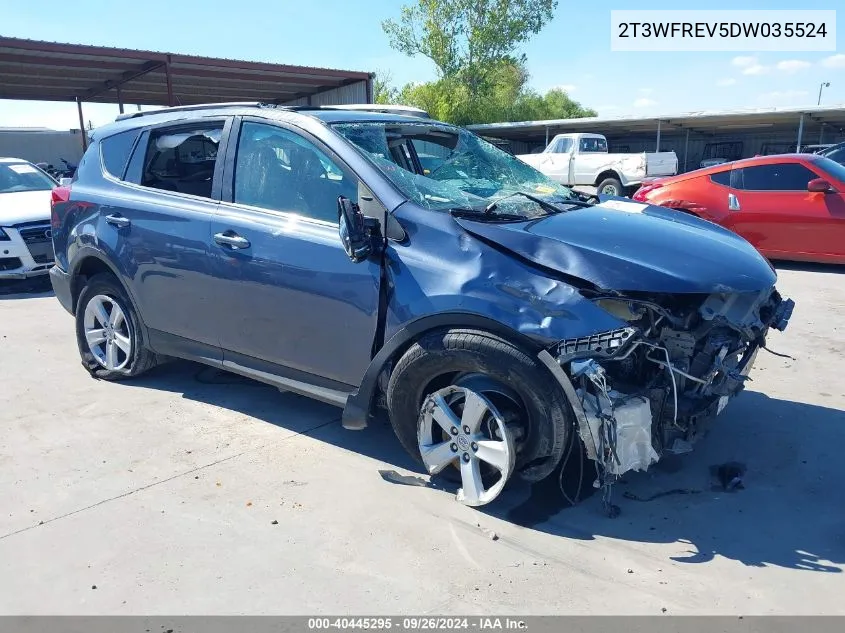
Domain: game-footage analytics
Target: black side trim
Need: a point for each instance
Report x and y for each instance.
(168, 344)
(359, 405)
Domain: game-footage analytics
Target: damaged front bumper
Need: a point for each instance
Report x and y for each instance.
(653, 386)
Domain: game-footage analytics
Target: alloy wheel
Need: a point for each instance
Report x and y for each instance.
(476, 434)
(107, 333)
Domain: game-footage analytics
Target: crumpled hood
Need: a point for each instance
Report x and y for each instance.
(24, 206)
(625, 245)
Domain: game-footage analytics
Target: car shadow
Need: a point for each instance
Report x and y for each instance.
(787, 512)
(25, 288)
(809, 267)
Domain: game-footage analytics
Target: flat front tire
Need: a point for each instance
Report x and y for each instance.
(108, 331)
(522, 390)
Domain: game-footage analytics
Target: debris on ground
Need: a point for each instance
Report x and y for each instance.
(488, 532)
(657, 495)
(729, 475)
(274, 522)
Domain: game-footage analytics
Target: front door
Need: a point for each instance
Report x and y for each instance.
(288, 293)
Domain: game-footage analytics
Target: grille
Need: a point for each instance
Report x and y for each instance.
(9, 263)
(39, 241)
(36, 234)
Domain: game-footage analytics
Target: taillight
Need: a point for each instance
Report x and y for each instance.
(60, 195)
(642, 192)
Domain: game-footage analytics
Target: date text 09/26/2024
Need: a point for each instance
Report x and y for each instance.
(425, 623)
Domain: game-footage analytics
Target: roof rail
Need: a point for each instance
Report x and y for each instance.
(201, 106)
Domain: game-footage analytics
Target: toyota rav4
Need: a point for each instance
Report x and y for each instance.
(496, 315)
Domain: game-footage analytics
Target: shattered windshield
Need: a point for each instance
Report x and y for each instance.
(443, 167)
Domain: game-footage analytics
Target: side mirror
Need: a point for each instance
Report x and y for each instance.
(819, 185)
(356, 231)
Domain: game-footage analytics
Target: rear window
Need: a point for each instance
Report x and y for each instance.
(115, 151)
(777, 177)
(182, 159)
(722, 178)
(589, 145)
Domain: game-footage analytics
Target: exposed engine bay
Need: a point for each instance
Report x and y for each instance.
(652, 387)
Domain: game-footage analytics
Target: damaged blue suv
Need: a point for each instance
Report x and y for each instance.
(374, 261)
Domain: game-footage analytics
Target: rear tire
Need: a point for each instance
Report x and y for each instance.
(445, 357)
(106, 317)
(610, 187)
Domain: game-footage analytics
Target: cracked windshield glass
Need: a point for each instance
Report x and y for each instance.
(445, 168)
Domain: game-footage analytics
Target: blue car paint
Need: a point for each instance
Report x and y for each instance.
(295, 301)
(443, 268)
(650, 250)
(292, 292)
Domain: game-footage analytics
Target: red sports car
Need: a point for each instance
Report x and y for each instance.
(790, 206)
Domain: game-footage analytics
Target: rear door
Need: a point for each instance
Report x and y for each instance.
(292, 296)
(159, 227)
(769, 205)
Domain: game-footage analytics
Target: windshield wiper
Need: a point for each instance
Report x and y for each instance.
(481, 214)
(548, 206)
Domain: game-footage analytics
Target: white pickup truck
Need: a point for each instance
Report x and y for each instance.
(583, 160)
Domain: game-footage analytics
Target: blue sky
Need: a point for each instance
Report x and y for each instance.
(573, 52)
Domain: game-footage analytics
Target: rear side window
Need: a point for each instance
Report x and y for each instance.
(182, 159)
(722, 178)
(777, 177)
(115, 151)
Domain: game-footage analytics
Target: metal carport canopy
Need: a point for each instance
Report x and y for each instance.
(51, 71)
(703, 122)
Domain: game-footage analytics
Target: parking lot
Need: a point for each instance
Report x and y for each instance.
(193, 491)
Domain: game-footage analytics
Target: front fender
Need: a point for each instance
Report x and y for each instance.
(358, 406)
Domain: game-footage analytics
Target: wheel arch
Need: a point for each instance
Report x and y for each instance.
(608, 173)
(89, 262)
(359, 404)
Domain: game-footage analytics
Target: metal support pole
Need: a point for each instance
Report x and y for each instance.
(82, 126)
(800, 133)
(658, 136)
(170, 101)
(119, 101)
(547, 136)
(821, 133)
(371, 97)
(686, 148)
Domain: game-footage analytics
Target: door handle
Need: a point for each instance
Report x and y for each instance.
(232, 241)
(118, 220)
(733, 202)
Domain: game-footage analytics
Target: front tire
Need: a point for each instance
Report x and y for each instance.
(521, 389)
(108, 331)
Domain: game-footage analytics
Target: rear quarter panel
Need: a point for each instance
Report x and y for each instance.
(697, 195)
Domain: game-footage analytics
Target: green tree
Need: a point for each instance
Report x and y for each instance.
(474, 45)
(468, 39)
(383, 90)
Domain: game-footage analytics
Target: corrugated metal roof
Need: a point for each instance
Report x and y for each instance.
(53, 71)
(705, 121)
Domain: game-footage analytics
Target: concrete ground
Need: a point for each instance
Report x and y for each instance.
(193, 491)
